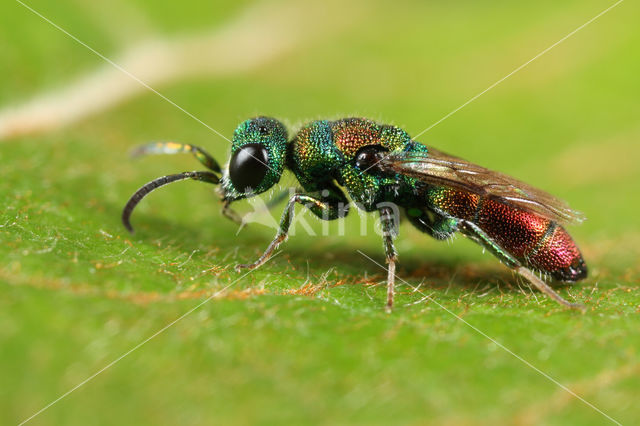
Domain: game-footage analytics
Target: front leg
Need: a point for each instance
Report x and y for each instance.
(389, 223)
(332, 205)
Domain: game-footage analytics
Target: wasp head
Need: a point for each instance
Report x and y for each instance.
(257, 158)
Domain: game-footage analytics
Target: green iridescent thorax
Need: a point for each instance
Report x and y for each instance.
(324, 151)
(313, 157)
(272, 135)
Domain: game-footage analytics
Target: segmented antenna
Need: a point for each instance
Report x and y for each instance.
(157, 183)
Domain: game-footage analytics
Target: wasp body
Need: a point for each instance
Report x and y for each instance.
(382, 169)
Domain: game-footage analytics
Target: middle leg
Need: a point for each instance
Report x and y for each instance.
(389, 223)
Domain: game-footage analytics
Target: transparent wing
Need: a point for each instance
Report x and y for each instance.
(440, 169)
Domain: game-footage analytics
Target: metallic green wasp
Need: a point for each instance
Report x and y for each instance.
(383, 170)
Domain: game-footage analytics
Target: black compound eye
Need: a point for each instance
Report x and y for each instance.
(248, 167)
(368, 158)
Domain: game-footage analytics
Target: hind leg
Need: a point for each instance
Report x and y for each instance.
(479, 236)
(438, 226)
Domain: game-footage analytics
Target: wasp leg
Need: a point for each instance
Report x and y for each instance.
(229, 213)
(437, 226)
(281, 196)
(331, 205)
(177, 148)
(478, 235)
(389, 222)
(544, 287)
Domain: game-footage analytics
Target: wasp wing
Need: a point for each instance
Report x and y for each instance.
(440, 169)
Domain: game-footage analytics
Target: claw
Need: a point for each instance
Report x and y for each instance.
(242, 266)
(229, 213)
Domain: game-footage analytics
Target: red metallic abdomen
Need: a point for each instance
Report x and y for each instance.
(536, 242)
(559, 255)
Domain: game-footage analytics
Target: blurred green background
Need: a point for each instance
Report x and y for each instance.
(305, 338)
